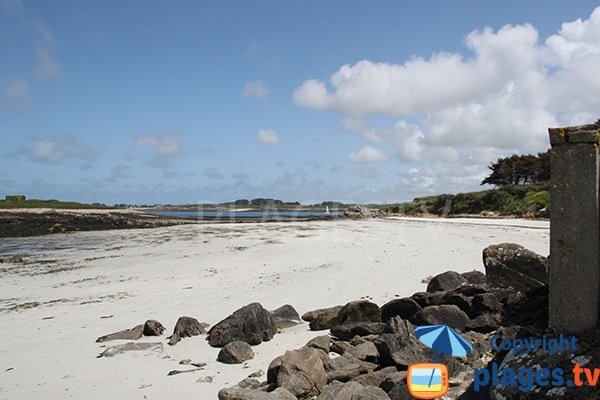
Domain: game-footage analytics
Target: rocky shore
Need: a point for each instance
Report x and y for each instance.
(34, 222)
(367, 349)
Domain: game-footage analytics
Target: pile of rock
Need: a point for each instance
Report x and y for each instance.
(368, 348)
(362, 212)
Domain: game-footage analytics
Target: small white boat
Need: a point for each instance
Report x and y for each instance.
(327, 210)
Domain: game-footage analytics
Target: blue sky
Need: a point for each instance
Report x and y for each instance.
(197, 101)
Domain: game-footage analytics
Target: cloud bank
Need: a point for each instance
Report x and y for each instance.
(453, 110)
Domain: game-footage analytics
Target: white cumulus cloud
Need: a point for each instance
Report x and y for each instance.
(267, 136)
(457, 109)
(368, 154)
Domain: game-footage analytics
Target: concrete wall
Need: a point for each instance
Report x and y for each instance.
(574, 265)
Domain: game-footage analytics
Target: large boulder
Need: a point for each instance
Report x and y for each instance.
(320, 342)
(323, 318)
(404, 308)
(127, 334)
(302, 372)
(186, 327)
(375, 378)
(352, 391)
(360, 311)
(235, 352)
(399, 351)
(238, 393)
(448, 280)
(286, 316)
(509, 264)
(475, 277)
(396, 388)
(347, 367)
(348, 331)
(153, 328)
(251, 324)
(446, 314)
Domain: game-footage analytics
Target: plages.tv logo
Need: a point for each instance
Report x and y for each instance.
(430, 380)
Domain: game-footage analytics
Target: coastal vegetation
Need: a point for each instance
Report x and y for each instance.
(522, 189)
(19, 201)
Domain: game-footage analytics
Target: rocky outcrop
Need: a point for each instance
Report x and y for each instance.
(353, 312)
(286, 316)
(445, 314)
(254, 394)
(512, 265)
(302, 372)
(153, 328)
(361, 212)
(235, 352)
(404, 308)
(323, 318)
(251, 324)
(448, 280)
(186, 327)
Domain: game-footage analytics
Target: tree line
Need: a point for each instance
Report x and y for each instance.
(519, 170)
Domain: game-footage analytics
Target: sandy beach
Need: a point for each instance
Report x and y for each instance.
(72, 288)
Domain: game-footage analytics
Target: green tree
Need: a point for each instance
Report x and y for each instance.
(519, 170)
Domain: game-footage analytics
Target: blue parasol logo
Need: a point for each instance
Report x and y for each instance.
(442, 339)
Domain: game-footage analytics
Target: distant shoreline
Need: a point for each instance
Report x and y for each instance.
(43, 221)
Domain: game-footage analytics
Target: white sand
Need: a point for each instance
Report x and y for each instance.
(206, 271)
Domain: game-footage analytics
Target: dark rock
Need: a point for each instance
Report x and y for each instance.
(352, 391)
(360, 311)
(365, 352)
(248, 383)
(153, 328)
(186, 327)
(484, 323)
(251, 324)
(486, 302)
(475, 277)
(468, 290)
(286, 316)
(273, 370)
(404, 308)
(463, 302)
(127, 334)
(235, 352)
(445, 314)
(375, 378)
(509, 264)
(400, 327)
(399, 351)
(302, 372)
(321, 343)
(346, 367)
(340, 347)
(395, 386)
(425, 299)
(325, 318)
(530, 312)
(448, 280)
(254, 394)
(348, 331)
